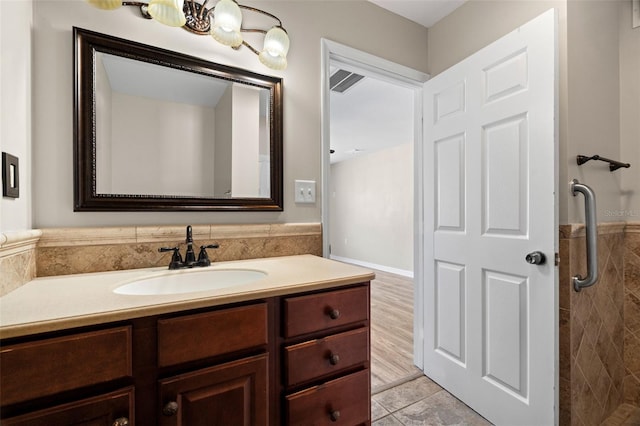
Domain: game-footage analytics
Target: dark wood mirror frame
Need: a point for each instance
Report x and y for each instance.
(86, 44)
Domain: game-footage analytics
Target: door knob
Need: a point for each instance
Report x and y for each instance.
(535, 258)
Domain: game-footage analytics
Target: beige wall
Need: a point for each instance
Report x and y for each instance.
(478, 23)
(629, 114)
(461, 33)
(245, 148)
(372, 208)
(104, 107)
(355, 23)
(222, 155)
(593, 106)
(455, 37)
(182, 155)
(15, 106)
(596, 66)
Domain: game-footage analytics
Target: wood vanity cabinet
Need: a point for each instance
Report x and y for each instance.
(110, 409)
(299, 359)
(326, 358)
(226, 393)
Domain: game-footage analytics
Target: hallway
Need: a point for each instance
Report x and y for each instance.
(401, 395)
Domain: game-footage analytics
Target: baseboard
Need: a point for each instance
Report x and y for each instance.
(402, 272)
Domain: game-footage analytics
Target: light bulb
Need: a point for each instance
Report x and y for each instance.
(227, 20)
(168, 12)
(105, 4)
(276, 47)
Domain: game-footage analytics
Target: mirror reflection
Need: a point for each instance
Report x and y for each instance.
(208, 137)
(159, 130)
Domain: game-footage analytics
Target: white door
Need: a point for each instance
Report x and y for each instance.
(489, 193)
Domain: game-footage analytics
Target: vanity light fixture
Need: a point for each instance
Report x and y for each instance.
(223, 22)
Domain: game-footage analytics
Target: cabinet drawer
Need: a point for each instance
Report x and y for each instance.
(306, 314)
(317, 358)
(193, 337)
(104, 409)
(44, 367)
(342, 401)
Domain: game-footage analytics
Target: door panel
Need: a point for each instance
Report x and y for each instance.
(506, 349)
(450, 183)
(489, 193)
(450, 312)
(504, 176)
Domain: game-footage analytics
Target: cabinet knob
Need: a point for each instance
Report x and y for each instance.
(170, 409)
(334, 313)
(334, 359)
(120, 421)
(334, 415)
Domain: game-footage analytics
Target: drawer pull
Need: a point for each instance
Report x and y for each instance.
(334, 415)
(121, 421)
(334, 313)
(170, 409)
(334, 359)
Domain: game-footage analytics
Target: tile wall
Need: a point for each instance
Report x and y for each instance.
(17, 259)
(60, 251)
(599, 367)
(631, 388)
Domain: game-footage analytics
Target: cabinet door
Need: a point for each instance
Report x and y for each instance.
(229, 394)
(112, 409)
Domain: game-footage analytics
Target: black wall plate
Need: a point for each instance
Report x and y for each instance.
(10, 173)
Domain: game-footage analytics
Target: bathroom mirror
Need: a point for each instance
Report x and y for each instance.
(160, 130)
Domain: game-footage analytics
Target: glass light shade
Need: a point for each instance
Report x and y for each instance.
(105, 4)
(276, 47)
(227, 19)
(168, 12)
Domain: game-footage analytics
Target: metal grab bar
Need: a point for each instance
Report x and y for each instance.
(591, 229)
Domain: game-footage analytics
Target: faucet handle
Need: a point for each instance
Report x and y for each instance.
(176, 258)
(203, 257)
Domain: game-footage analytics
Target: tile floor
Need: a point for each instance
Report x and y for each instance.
(625, 415)
(421, 402)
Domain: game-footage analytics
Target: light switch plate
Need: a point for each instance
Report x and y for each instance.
(10, 173)
(305, 191)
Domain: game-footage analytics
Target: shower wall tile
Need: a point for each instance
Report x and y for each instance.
(80, 250)
(631, 388)
(591, 327)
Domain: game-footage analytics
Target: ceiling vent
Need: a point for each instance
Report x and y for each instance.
(342, 80)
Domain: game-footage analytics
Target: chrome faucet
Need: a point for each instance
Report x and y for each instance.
(190, 256)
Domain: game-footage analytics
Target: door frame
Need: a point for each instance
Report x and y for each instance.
(375, 66)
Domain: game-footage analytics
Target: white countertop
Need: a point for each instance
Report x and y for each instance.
(60, 302)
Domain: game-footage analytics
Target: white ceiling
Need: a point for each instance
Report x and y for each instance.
(424, 12)
(154, 81)
(370, 116)
(374, 115)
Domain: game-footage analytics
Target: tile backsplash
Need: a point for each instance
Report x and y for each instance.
(17, 259)
(60, 251)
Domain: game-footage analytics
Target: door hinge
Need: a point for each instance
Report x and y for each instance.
(557, 259)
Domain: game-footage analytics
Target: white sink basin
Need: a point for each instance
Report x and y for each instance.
(189, 281)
